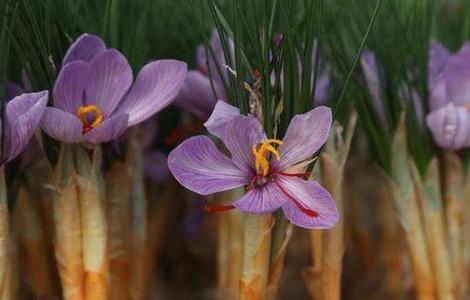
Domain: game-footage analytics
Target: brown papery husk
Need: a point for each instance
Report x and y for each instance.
(4, 236)
(452, 189)
(430, 200)
(229, 226)
(392, 237)
(139, 216)
(93, 224)
(282, 234)
(118, 216)
(67, 225)
(324, 278)
(31, 236)
(409, 214)
(256, 256)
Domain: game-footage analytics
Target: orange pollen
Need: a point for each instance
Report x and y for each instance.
(261, 161)
(84, 111)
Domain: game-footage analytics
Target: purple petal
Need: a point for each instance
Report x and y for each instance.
(450, 126)
(305, 135)
(371, 74)
(457, 78)
(109, 130)
(241, 134)
(156, 166)
(110, 78)
(438, 56)
(321, 90)
(217, 60)
(197, 96)
(157, 85)
(312, 196)
(264, 199)
(24, 114)
(61, 125)
(201, 59)
(222, 114)
(438, 97)
(84, 48)
(70, 85)
(200, 167)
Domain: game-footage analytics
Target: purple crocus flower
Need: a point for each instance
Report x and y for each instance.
(198, 95)
(449, 101)
(371, 71)
(263, 166)
(20, 120)
(94, 98)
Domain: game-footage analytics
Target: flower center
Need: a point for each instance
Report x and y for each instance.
(261, 152)
(91, 117)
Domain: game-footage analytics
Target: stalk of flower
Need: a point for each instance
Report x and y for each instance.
(95, 102)
(68, 232)
(331, 243)
(452, 193)
(409, 214)
(19, 121)
(118, 218)
(93, 225)
(139, 217)
(429, 197)
(32, 237)
(199, 166)
(447, 121)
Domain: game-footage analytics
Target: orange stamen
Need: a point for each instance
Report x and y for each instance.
(82, 114)
(261, 162)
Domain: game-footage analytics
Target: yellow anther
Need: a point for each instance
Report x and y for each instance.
(266, 147)
(82, 114)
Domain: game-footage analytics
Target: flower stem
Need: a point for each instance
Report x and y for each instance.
(256, 254)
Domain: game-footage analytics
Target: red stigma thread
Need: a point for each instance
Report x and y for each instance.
(304, 209)
(217, 208)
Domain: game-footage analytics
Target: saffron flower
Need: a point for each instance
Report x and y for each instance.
(449, 101)
(20, 120)
(373, 80)
(265, 167)
(94, 98)
(198, 94)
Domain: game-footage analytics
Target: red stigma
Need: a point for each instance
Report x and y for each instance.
(217, 208)
(304, 209)
(257, 74)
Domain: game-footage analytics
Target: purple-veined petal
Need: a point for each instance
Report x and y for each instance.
(70, 86)
(110, 78)
(305, 135)
(321, 90)
(84, 48)
(24, 114)
(199, 166)
(310, 195)
(457, 79)
(241, 134)
(221, 115)
(155, 166)
(263, 199)
(61, 125)
(438, 56)
(371, 75)
(109, 130)
(438, 96)
(201, 59)
(197, 96)
(157, 85)
(450, 126)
